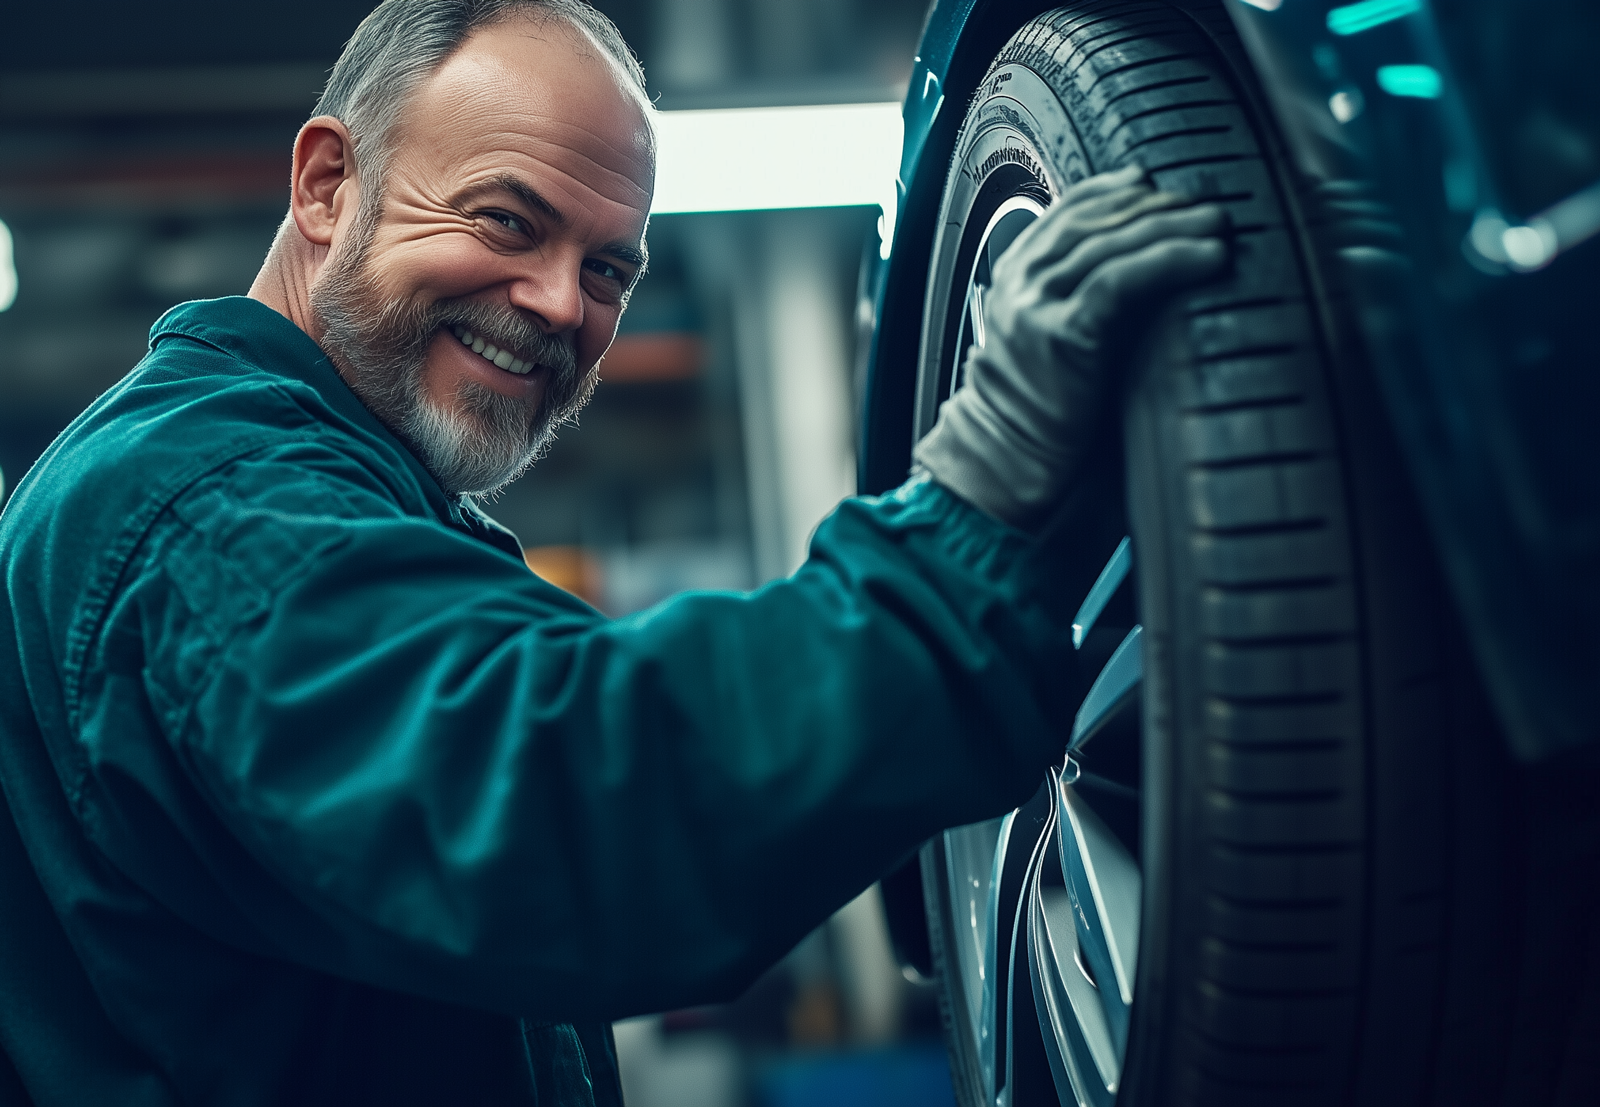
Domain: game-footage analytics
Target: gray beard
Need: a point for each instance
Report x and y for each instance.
(484, 440)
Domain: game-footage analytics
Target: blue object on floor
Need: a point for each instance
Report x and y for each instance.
(916, 1076)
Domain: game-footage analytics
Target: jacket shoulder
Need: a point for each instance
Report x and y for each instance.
(170, 430)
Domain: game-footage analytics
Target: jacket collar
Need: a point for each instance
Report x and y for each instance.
(255, 334)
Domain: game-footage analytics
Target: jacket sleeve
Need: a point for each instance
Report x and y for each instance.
(390, 752)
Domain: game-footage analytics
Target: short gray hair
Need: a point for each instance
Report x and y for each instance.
(403, 42)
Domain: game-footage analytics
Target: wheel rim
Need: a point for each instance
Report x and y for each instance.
(1009, 219)
(1078, 919)
(1055, 885)
(1073, 926)
(977, 854)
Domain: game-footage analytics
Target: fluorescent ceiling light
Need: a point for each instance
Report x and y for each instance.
(749, 159)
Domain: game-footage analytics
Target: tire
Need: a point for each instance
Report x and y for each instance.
(1298, 775)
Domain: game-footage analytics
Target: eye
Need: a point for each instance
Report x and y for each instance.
(602, 268)
(605, 281)
(510, 222)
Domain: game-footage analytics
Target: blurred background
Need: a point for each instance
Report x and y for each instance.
(144, 161)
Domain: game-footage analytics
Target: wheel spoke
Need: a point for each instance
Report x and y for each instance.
(1105, 586)
(1086, 927)
(974, 856)
(1083, 1053)
(1112, 689)
(1104, 886)
(989, 997)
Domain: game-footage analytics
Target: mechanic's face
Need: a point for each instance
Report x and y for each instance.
(513, 218)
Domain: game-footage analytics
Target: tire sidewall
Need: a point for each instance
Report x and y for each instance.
(1017, 140)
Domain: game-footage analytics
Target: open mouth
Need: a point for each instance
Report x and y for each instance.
(490, 352)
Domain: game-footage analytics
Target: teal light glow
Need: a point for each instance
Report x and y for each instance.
(1421, 81)
(1352, 19)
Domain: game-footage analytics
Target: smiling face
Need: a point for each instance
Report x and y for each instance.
(470, 309)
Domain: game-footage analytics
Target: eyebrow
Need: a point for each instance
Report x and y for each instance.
(522, 190)
(633, 255)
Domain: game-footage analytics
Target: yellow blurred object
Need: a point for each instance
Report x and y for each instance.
(816, 1017)
(572, 568)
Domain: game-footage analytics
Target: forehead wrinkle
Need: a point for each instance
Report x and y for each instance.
(610, 184)
(481, 135)
(560, 134)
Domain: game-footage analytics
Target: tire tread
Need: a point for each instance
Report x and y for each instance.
(1266, 533)
(1274, 877)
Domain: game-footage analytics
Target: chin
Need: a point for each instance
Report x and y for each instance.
(479, 444)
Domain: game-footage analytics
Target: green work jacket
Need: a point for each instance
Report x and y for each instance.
(317, 795)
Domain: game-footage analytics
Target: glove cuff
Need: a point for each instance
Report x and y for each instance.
(988, 469)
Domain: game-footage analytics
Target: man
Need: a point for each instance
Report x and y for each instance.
(317, 795)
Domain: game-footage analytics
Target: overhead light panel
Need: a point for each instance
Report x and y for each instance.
(751, 159)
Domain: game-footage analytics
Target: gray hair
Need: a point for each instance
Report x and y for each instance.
(403, 42)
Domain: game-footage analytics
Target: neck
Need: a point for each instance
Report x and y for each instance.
(284, 282)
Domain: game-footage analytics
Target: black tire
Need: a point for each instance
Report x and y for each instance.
(1307, 807)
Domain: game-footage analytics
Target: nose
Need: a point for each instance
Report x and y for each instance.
(549, 288)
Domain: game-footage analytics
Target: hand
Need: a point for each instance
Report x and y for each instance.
(1073, 283)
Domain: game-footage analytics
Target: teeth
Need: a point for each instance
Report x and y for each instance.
(502, 359)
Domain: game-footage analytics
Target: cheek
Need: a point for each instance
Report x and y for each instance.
(595, 335)
(438, 267)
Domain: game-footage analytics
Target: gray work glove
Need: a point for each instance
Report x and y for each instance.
(1073, 283)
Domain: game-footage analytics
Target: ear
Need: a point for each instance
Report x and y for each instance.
(322, 188)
